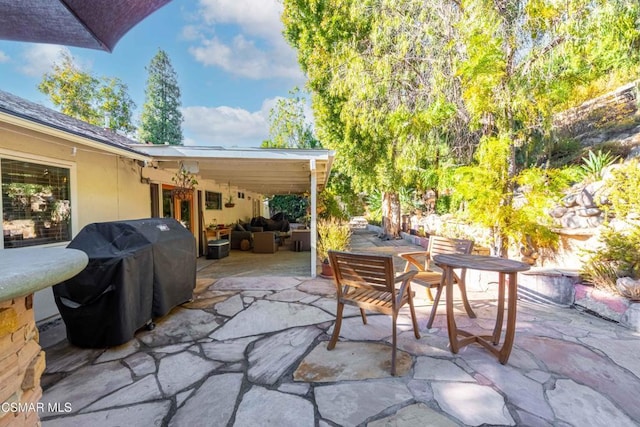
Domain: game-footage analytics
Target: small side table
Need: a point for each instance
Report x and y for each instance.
(504, 267)
(218, 233)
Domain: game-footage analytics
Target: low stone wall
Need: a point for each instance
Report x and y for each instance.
(22, 362)
(561, 287)
(549, 285)
(612, 307)
(564, 288)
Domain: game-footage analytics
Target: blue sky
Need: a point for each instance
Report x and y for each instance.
(230, 57)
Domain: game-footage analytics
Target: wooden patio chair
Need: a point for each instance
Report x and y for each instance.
(427, 276)
(369, 283)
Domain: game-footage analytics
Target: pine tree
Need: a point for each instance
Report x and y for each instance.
(161, 119)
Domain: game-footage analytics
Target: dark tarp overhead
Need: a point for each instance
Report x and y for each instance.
(138, 270)
(81, 23)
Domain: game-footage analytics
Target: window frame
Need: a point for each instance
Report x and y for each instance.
(73, 190)
(213, 200)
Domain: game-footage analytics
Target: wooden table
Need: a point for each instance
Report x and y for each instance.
(503, 267)
(218, 233)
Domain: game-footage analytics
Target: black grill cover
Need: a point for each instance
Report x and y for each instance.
(138, 270)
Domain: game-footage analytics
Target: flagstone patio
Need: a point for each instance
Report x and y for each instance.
(250, 350)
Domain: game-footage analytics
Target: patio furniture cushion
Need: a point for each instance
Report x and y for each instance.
(265, 242)
(237, 237)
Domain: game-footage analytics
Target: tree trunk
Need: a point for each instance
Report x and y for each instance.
(391, 219)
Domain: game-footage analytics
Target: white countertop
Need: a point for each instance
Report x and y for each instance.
(24, 271)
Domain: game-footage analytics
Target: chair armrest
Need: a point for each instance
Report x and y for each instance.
(410, 257)
(405, 278)
(414, 253)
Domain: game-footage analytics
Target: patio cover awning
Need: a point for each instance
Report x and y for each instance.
(264, 171)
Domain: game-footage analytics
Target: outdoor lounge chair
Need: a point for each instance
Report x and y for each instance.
(431, 278)
(369, 283)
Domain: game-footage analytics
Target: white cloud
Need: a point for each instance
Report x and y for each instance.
(190, 32)
(226, 126)
(258, 18)
(257, 51)
(39, 58)
(242, 57)
(4, 57)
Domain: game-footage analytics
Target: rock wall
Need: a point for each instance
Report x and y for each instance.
(610, 118)
(22, 363)
(595, 120)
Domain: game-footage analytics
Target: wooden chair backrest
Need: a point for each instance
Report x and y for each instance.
(444, 245)
(363, 271)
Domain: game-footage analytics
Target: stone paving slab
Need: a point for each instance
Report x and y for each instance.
(272, 356)
(350, 361)
(212, 403)
(146, 414)
(256, 355)
(264, 407)
(270, 316)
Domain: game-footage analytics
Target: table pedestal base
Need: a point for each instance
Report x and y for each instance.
(490, 342)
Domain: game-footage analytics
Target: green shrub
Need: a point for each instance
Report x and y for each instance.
(374, 207)
(565, 151)
(624, 189)
(333, 234)
(329, 206)
(619, 256)
(601, 274)
(443, 204)
(292, 206)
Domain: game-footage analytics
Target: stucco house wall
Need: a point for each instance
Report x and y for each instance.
(104, 186)
(109, 187)
(111, 177)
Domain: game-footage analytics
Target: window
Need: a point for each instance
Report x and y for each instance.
(36, 203)
(213, 200)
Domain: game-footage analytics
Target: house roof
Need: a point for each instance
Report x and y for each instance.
(264, 171)
(24, 113)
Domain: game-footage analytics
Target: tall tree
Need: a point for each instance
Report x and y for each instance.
(288, 126)
(379, 97)
(522, 62)
(115, 103)
(400, 87)
(100, 101)
(161, 118)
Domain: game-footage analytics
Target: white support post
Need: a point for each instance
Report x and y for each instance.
(314, 216)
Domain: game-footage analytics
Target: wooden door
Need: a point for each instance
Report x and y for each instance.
(180, 209)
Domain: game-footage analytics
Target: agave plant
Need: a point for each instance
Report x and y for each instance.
(594, 163)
